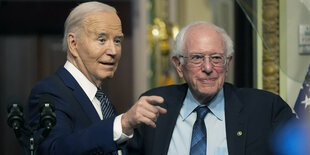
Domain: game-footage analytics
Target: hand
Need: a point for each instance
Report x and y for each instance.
(143, 111)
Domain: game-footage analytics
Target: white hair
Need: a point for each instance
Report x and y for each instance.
(179, 43)
(74, 22)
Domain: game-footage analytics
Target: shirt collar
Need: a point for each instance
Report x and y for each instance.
(89, 88)
(216, 106)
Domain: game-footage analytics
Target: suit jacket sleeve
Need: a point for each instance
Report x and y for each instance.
(282, 113)
(74, 132)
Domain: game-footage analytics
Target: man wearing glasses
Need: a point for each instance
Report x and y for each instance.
(207, 115)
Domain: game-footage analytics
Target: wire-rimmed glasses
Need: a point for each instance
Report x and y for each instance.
(217, 60)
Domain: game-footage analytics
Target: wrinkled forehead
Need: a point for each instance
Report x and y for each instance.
(102, 21)
(204, 37)
(202, 30)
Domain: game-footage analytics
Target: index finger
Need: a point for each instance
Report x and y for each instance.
(153, 99)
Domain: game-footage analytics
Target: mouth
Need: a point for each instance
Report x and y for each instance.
(107, 63)
(209, 80)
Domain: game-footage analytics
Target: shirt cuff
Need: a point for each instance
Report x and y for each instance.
(118, 135)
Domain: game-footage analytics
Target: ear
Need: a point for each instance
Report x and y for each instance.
(177, 64)
(229, 62)
(72, 44)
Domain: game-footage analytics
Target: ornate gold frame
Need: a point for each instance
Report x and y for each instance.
(271, 45)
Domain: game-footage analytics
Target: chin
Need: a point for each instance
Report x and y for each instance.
(209, 90)
(109, 76)
(108, 73)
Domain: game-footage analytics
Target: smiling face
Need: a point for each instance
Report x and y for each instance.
(96, 49)
(204, 81)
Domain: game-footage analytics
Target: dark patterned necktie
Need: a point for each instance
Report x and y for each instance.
(199, 134)
(107, 109)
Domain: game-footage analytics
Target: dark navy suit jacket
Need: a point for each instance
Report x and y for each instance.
(79, 129)
(251, 112)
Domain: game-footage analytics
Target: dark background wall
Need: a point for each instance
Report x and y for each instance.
(243, 69)
(30, 49)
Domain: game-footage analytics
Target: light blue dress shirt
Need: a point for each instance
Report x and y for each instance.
(215, 125)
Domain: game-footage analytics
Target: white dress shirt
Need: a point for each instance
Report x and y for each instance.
(214, 121)
(90, 90)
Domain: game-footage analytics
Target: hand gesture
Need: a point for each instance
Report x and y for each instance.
(143, 111)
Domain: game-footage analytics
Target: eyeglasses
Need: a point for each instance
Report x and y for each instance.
(217, 60)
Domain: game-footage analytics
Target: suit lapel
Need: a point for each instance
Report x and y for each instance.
(79, 94)
(166, 123)
(235, 122)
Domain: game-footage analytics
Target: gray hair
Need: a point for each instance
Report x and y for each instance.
(179, 43)
(74, 20)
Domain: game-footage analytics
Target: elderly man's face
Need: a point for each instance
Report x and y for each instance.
(98, 47)
(205, 80)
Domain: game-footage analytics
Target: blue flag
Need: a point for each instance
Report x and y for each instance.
(302, 105)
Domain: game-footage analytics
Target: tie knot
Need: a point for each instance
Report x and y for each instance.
(202, 111)
(107, 108)
(100, 94)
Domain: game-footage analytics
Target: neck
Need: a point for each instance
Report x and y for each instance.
(82, 69)
(204, 98)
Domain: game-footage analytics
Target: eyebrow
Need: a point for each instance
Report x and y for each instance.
(120, 36)
(201, 53)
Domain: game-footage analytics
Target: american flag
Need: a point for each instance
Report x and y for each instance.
(302, 105)
(293, 137)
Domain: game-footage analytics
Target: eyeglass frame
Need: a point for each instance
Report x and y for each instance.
(204, 58)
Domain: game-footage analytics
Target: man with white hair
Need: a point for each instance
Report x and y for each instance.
(206, 115)
(86, 121)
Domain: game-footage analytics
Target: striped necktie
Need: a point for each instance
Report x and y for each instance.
(199, 134)
(107, 109)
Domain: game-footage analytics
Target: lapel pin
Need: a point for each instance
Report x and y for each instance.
(239, 133)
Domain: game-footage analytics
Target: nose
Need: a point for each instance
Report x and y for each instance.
(207, 66)
(111, 49)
